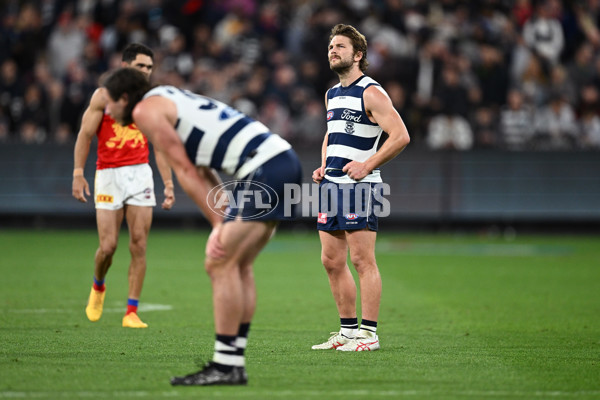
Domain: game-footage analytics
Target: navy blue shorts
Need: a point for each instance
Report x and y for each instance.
(349, 206)
(260, 195)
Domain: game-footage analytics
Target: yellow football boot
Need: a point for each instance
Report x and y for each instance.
(132, 320)
(95, 304)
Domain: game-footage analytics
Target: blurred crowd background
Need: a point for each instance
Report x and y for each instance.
(515, 75)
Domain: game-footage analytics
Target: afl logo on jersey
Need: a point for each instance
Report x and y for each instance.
(351, 216)
(329, 115)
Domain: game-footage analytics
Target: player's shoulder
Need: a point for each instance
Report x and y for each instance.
(161, 90)
(366, 82)
(374, 95)
(98, 99)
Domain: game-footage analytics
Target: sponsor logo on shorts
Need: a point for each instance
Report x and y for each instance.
(351, 216)
(148, 193)
(322, 218)
(104, 198)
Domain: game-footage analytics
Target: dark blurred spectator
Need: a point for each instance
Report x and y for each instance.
(398, 95)
(485, 128)
(11, 92)
(29, 40)
(560, 81)
(309, 126)
(276, 116)
(451, 97)
(450, 129)
(56, 92)
(66, 44)
(581, 69)
(589, 120)
(30, 133)
(34, 112)
(78, 90)
(4, 128)
(588, 100)
(176, 57)
(590, 130)
(492, 74)
(92, 60)
(534, 82)
(430, 63)
(255, 86)
(522, 10)
(556, 126)
(283, 82)
(516, 122)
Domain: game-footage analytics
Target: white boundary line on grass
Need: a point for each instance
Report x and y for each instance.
(304, 393)
(144, 307)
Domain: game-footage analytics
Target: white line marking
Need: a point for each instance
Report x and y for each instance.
(250, 391)
(142, 308)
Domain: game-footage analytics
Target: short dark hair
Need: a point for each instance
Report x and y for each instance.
(127, 81)
(358, 40)
(131, 51)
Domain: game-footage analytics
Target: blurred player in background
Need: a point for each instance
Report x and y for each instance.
(199, 136)
(358, 112)
(124, 188)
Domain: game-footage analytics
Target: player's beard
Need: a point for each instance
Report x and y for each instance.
(342, 67)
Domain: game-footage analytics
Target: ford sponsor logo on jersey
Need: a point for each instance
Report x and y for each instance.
(247, 199)
(329, 115)
(351, 115)
(351, 216)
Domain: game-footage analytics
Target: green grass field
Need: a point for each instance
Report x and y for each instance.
(462, 316)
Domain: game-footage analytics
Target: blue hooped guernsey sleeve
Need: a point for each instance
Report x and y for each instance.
(352, 136)
(218, 136)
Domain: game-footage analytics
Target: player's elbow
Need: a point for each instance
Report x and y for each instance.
(405, 140)
(401, 140)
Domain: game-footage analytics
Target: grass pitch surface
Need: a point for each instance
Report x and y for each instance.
(461, 317)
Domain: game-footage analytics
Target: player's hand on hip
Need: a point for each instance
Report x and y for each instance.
(318, 174)
(169, 198)
(214, 248)
(356, 170)
(80, 188)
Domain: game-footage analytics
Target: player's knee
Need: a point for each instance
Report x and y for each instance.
(363, 263)
(332, 262)
(108, 248)
(211, 266)
(137, 247)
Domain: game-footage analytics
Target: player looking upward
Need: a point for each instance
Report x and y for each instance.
(358, 112)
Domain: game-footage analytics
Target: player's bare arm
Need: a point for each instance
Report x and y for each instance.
(319, 173)
(381, 111)
(167, 177)
(156, 117)
(92, 117)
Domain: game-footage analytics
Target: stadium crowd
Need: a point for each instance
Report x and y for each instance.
(517, 75)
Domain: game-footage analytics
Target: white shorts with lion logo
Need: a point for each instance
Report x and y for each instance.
(132, 185)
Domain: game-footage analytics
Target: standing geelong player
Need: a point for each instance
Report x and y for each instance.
(358, 111)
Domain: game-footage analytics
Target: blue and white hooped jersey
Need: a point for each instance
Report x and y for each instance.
(352, 136)
(218, 136)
